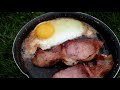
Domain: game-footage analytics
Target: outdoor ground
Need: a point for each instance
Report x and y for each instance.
(12, 22)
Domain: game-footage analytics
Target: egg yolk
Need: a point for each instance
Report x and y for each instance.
(44, 30)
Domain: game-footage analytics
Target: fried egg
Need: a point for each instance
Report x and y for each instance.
(53, 32)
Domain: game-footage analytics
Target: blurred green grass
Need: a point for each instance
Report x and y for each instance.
(12, 22)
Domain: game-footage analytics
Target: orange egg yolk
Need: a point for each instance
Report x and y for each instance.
(44, 31)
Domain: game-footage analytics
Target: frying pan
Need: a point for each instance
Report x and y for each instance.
(111, 45)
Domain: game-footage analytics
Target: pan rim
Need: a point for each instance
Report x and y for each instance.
(61, 12)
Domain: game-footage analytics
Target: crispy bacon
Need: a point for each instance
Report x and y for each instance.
(80, 50)
(90, 70)
(47, 58)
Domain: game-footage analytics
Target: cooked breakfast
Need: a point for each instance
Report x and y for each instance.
(55, 32)
(62, 40)
(71, 52)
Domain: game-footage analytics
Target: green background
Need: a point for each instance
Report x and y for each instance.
(12, 22)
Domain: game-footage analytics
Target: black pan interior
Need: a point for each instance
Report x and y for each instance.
(105, 34)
